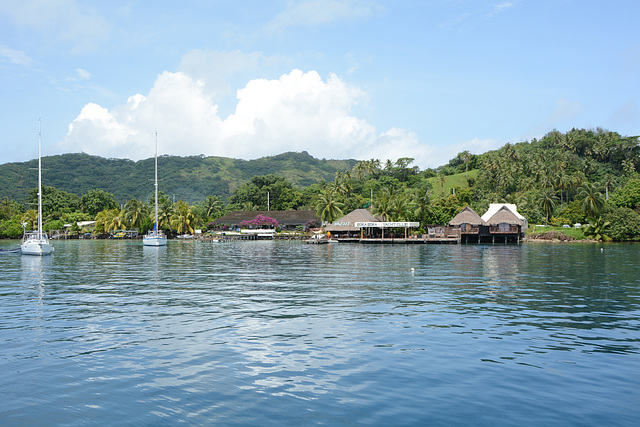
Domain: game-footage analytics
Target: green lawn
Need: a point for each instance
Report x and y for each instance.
(456, 180)
(575, 233)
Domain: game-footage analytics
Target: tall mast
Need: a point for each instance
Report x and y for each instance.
(39, 178)
(156, 185)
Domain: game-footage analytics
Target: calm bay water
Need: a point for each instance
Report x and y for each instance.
(282, 333)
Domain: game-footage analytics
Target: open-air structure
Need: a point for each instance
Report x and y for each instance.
(361, 226)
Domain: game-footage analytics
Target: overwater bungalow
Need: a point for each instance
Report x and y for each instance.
(468, 222)
(501, 223)
(505, 224)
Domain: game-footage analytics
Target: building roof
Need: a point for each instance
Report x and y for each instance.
(283, 217)
(505, 216)
(467, 216)
(347, 222)
(495, 207)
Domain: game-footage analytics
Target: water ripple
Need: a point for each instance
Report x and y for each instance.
(277, 333)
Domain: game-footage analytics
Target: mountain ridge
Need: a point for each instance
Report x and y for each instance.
(189, 178)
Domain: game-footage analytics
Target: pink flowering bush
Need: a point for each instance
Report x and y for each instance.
(259, 221)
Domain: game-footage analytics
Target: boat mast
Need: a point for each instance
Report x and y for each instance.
(40, 179)
(156, 185)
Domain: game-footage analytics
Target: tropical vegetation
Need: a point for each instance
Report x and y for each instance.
(582, 176)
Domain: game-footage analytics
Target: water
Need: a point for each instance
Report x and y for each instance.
(282, 333)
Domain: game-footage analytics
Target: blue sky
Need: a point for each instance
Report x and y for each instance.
(340, 79)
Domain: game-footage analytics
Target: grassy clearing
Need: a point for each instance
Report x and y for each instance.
(456, 180)
(575, 233)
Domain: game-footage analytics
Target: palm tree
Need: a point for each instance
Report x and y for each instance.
(466, 157)
(402, 207)
(327, 205)
(165, 213)
(249, 207)
(562, 182)
(422, 204)
(135, 212)
(593, 203)
(115, 220)
(384, 204)
(442, 178)
(212, 204)
(31, 218)
(183, 219)
(609, 181)
(548, 200)
(360, 170)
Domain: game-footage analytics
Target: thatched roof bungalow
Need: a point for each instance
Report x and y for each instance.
(494, 208)
(467, 216)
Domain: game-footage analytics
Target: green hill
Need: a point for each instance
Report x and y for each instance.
(456, 180)
(190, 179)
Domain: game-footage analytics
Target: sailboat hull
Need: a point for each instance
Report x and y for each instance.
(39, 247)
(154, 241)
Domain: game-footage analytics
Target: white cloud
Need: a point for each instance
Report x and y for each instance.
(299, 111)
(15, 56)
(65, 21)
(503, 7)
(319, 12)
(83, 74)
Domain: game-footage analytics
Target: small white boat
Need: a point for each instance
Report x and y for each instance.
(317, 239)
(36, 242)
(155, 237)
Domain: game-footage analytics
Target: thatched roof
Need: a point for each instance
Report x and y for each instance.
(466, 216)
(284, 218)
(504, 216)
(347, 222)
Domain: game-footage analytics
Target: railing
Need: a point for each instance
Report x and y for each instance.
(512, 229)
(470, 230)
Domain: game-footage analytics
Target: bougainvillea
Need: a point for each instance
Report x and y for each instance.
(259, 221)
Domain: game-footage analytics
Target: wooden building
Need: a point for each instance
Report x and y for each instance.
(286, 219)
(469, 224)
(501, 223)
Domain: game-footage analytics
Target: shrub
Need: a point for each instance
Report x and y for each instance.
(624, 224)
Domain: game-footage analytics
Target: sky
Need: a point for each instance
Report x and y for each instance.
(351, 79)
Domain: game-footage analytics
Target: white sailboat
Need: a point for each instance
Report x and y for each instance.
(155, 237)
(37, 242)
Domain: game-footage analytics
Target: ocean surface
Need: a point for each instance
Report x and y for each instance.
(269, 333)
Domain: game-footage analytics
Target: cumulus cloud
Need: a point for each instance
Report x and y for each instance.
(297, 112)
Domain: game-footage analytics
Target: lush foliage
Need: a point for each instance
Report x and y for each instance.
(581, 176)
(259, 221)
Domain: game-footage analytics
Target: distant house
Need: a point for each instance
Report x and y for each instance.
(286, 219)
(501, 222)
(494, 208)
(468, 221)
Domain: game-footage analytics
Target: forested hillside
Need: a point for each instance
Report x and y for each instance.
(190, 179)
(581, 176)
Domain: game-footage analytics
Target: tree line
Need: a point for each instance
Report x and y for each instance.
(581, 176)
